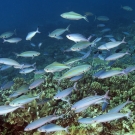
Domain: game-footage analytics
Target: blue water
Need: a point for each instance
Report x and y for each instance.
(26, 15)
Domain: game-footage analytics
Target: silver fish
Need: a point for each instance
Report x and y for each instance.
(12, 40)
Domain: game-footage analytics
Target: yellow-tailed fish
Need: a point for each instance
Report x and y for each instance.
(75, 71)
(55, 67)
(73, 16)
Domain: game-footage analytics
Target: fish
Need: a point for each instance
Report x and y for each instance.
(41, 121)
(76, 78)
(32, 44)
(77, 37)
(12, 40)
(36, 83)
(116, 56)
(109, 36)
(112, 39)
(105, 30)
(25, 66)
(75, 71)
(119, 107)
(7, 85)
(100, 25)
(110, 73)
(9, 62)
(27, 70)
(62, 94)
(38, 72)
(56, 67)
(24, 99)
(85, 120)
(109, 117)
(39, 45)
(58, 32)
(102, 18)
(86, 55)
(111, 45)
(129, 69)
(4, 109)
(28, 54)
(126, 33)
(127, 8)
(72, 61)
(80, 46)
(89, 101)
(8, 34)
(30, 35)
(52, 128)
(5, 67)
(73, 16)
(97, 74)
(21, 90)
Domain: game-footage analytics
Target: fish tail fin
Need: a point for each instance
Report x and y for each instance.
(38, 96)
(85, 18)
(74, 87)
(106, 95)
(66, 129)
(15, 32)
(67, 29)
(128, 115)
(89, 38)
(33, 65)
(17, 55)
(128, 101)
(37, 31)
(4, 40)
(123, 40)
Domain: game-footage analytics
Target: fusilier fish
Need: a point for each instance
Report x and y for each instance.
(119, 107)
(28, 54)
(72, 61)
(41, 71)
(22, 100)
(32, 34)
(27, 70)
(81, 45)
(55, 67)
(8, 61)
(110, 73)
(111, 45)
(75, 71)
(109, 117)
(115, 56)
(36, 83)
(102, 18)
(21, 90)
(7, 85)
(73, 16)
(77, 37)
(4, 109)
(127, 8)
(41, 121)
(88, 101)
(58, 32)
(52, 128)
(8, 34)
(62, 94)
(12, 40)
